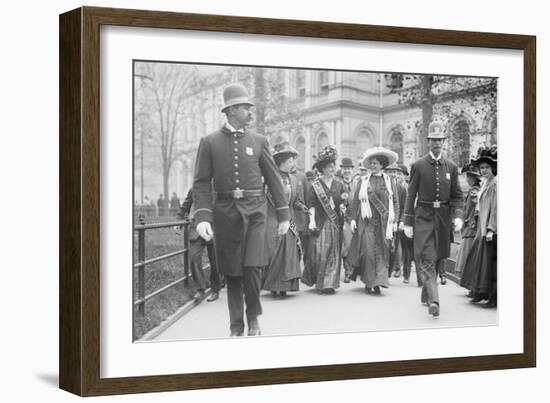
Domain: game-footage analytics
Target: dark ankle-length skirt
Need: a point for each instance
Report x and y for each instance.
(323, 262)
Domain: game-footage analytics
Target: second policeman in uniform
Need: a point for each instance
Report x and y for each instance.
(434, 186)
(233, 161)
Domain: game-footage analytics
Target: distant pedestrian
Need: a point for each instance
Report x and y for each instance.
(174, 203)
(160, 205)
(401, 253)
(346, 167)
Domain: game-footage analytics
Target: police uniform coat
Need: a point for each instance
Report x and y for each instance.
(228, 160)
(432, 180)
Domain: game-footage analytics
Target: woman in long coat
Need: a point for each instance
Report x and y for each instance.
(325, 196)
(374, 210)
(283, 271)
(483, 256)
(470, 223)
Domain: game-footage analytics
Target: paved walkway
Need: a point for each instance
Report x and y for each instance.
(349, 310)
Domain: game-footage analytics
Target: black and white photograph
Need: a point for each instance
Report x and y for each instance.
(273, 201)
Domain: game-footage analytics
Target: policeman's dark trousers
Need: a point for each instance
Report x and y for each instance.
(240, 290)
(440, 267)
(407, 252)
(427, 263)
(196, 250)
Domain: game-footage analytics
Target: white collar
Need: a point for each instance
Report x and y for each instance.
(232, 129)
(434, 158)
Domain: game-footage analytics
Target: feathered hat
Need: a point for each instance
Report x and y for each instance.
(486, 154)
(327, 154)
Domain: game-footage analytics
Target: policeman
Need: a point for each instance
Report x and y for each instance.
(434, 185)
(233, 160)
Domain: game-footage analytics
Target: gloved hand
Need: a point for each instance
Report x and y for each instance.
(409, 232)
(458, 224)
(401, 226)
(283, 227)
(312, 224)
(204, 229)
(353, 225)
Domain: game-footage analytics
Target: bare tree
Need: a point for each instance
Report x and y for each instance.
(163, 103)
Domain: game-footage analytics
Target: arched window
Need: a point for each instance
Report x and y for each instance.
(364, 141)
(459, 150)
(301, 148)
(322, 140)
(396, 143)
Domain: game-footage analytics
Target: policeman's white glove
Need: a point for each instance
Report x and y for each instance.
(312, 224)
(283, 227)
(394, 227)
(401, 226)
(205, 230)
(458, 224)
(409, 232)
(353, 225)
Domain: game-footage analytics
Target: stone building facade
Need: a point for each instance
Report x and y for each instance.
(353, 110)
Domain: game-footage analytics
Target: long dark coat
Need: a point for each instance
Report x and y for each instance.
(228, 160)
(432, 180)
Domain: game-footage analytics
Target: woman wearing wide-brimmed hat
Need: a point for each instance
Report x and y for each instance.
(483, 256)
(374, 209)
(470, 220)
(325, 196)
(283, 270)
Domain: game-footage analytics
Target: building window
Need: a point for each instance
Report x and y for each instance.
(323, 81)
(322, 140)
(301, 148)
(396, 143)
(300, 83)
(363, 142)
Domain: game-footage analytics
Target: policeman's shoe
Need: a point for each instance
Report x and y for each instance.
(443, 280)
(254, 331)
(236, 334)
(213, 296)
(397, 273)
(377, 290)
(434, 309)
(346, 279)
(198, 294)
(406, 280)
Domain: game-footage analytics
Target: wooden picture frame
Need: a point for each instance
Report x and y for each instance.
(80, 199)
